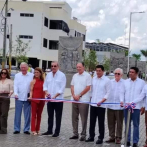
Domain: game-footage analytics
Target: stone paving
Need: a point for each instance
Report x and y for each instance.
(22, 140)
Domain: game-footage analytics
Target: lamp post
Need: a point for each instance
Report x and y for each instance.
(131, 13)
(5, 35)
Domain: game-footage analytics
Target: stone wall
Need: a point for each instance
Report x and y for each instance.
(118, 60)
(69, 54)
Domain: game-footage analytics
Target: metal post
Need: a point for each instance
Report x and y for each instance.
(5, 36)
(127, 127)
(10, 48)
(129, 42)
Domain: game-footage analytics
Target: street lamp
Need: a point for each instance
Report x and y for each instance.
(131, 13)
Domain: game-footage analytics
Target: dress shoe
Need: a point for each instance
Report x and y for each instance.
(135, 145)
(27, 133)
(2, 132)
(47, 134)
(82, 139)
(90, 139)
(55, 135)
(110, 140)
(118, 141)
(128, 144)
(99, 141)
(74, 137)
(16, 132)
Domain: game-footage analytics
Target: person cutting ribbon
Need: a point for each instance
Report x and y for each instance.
(54, 87)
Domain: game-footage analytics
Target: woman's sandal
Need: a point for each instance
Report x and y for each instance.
(34, 133)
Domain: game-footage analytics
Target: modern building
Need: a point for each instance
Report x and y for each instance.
(41, 22)
(105, 49)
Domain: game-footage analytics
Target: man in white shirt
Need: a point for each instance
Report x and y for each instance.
(80, 89)
(101, 87)
(54, 87)
(115, 112)
(21, 90)
(132, 90)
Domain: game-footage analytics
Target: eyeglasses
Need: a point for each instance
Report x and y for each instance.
(54, 66)
(3, 73)
(117, 74)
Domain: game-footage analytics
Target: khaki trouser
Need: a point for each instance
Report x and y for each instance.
(146, 125)
(4, 109)
(81, 109)
(115, 123)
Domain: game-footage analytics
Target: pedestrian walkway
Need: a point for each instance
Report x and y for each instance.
(21, 140)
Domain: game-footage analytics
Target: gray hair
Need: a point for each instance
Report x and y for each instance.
(121, 70)
(55, 62)
(23, 63)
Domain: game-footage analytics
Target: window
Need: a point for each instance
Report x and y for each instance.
(44, 42)
(83, 37)
(75, 33)
(59, 25)
(53, 44)
(8, 14)
(45, 22)
(56, 7)
(25, 37)
(26, 15)
(8, 36)
(78, 34)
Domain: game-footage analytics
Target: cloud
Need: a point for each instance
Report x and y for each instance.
(109, 21)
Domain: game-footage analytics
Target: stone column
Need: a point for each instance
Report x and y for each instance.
(40, 63)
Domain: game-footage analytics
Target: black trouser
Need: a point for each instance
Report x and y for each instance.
(4, 109)
(94, 113)
(58, 107)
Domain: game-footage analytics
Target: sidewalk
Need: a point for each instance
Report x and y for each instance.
(67, 93)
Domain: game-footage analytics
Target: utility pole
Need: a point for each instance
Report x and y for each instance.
(10, 48)
(5, 35)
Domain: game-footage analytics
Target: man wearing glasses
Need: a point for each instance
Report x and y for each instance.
(54, 87)
(115, 112)
(132, 90)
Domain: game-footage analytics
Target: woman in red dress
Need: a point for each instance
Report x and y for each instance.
(37, 105)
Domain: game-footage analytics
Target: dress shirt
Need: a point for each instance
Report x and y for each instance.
(132, 90)
(101, 88)
(55, 84)
(116, 96)
(6, 86)
(22, 85)
(80, 82)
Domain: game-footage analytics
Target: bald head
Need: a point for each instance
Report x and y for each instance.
(80, 68)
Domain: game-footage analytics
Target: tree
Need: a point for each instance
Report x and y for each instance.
(20, 50)
(144, 53)
(106, 63)
(90, 60)
(137, 58)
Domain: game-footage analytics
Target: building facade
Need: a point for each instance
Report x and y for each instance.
(42, 23)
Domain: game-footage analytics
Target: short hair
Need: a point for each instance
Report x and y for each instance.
(23, 63)
(136, 69)
(121, 70)
(55, 62)
(100, 66)
(83, 64)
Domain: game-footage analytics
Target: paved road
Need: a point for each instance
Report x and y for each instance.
(22, 140)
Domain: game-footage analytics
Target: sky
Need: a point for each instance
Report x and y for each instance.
(108, 21)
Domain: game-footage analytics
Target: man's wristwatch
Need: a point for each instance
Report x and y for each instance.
(80, 95)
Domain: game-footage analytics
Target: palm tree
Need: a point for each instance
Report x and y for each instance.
(144, 53)
(137, 58)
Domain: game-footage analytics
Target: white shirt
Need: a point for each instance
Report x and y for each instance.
(80, 82)
(132, 90)
(55, 84)
(22, 85)
(101, 88)
(116, 96)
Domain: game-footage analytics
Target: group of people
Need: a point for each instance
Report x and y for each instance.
(31, 91)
